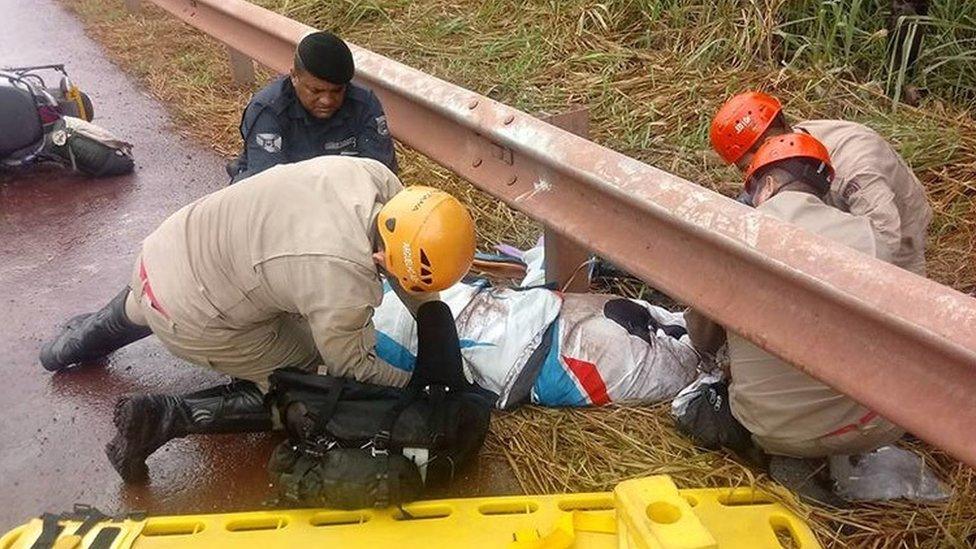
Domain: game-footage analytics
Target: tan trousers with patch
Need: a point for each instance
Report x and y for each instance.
(251, 354)
(855, 439)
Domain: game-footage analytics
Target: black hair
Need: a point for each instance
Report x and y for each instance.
(809, 171)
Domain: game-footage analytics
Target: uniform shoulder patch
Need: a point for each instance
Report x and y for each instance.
(382, 127)
(849, 189)
(270, 142)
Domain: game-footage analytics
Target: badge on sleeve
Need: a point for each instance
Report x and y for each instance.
(382, 127)
(270, 142)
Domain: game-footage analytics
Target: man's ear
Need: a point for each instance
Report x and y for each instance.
(767, 188)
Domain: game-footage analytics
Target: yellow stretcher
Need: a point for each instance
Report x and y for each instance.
(646, 513)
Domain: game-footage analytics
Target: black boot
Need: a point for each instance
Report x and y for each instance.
(146, 422)
(92, 336)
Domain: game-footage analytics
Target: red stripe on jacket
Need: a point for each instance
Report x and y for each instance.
(590, 379)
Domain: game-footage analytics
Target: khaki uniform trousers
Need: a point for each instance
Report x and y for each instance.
(853, 439)
(251, 354)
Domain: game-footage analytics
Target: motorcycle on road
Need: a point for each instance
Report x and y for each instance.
(39, 123)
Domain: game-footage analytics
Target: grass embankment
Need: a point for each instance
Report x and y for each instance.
(652, 72)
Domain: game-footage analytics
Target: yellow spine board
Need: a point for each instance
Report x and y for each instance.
(644, 513)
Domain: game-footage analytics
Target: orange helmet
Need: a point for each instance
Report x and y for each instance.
(429, 238)
(741, 122)
(792, 145)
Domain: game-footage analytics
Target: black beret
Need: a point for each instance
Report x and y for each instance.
(324, 55)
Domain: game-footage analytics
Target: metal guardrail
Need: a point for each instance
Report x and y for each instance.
(898, 343)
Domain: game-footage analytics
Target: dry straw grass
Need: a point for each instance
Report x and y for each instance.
(652, 72)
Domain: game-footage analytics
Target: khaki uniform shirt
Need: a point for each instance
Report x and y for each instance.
(787, 410)
(243, 277)
(873, 181)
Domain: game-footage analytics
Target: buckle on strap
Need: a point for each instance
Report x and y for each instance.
(381, 440)
(319, 446)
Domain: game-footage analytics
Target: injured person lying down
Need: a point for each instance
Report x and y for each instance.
(539, 346)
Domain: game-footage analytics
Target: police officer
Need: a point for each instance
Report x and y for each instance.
(279, 270)
(315, 111)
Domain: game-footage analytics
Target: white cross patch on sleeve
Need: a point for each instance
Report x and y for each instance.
(270, 142)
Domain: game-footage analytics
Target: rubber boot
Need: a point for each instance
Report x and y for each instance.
(90, 337)
(146, 422)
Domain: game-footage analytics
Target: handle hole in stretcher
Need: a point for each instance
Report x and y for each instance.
(256, 524)
(785, 535)
(168, 527)
(744, 496)
(663, 512)
(423, 512)
(598, 503)
(523, 507)
(338, 518)
(692, 500)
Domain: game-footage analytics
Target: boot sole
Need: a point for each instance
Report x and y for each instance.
(131, 420)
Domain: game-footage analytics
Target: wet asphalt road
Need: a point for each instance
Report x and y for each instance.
(66, 246)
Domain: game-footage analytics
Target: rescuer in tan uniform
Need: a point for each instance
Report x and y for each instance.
(788, 412)
(279, 270)
(871, 181)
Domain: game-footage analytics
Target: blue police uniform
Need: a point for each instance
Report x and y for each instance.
(277, 129)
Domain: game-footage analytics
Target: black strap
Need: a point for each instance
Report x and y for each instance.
(388, 482)
(50, 529)
(89, 523)
(105, 537)
(384, 490)
(381, 440)
(325, 412)
(437, 423)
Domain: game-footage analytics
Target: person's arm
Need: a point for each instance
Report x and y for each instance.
(374, 138)
(263, 142)
(707, 337)
(868, 195)
(336, 298)
(412, 301)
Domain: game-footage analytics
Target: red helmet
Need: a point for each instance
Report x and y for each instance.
(741, 122)
(791, 145)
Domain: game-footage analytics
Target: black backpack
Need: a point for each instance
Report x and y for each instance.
(353, 445)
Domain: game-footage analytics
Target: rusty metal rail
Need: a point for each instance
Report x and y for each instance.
(898, 343)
